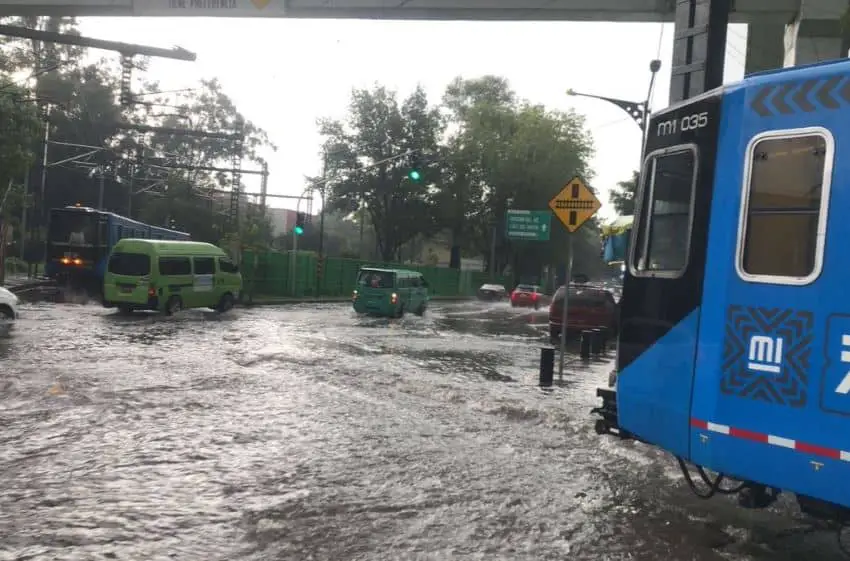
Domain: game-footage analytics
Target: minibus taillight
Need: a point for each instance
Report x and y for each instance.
(394, 298)
(151, 291)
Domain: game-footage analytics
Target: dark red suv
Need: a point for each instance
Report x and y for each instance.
(588, 308)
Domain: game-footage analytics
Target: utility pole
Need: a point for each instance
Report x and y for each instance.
(322, 188)
(264, 187)
(24, 217)
(42, 203)
(130, 190)
(362, 224)
(101, 189)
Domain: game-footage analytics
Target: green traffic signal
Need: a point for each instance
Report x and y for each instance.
(414, 175)
(298, 230)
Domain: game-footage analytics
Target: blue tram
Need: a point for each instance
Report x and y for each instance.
(734, 344)
(79, 240)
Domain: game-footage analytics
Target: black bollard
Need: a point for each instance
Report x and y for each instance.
(547, 366)
(596, 342)
(586, 337)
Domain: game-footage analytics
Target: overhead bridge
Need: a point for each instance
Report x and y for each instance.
(742, 11)
(781, 32)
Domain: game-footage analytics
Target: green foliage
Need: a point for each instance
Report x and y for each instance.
(623, 195)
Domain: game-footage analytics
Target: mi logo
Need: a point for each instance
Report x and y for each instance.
(766, 354)
(844, 386)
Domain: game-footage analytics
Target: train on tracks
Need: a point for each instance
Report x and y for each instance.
(80, 239)
(734, 343)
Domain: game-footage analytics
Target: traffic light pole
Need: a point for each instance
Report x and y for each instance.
(293, 263)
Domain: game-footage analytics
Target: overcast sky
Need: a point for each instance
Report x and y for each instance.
(284, 74)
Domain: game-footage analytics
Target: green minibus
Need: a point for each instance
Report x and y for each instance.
(390, 292)
(168, 276)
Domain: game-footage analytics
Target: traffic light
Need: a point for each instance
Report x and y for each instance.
(300, 221)
(415, 172)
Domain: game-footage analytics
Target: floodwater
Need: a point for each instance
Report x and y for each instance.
(307, 433)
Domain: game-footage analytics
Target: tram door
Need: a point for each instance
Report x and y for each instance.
(663, 284)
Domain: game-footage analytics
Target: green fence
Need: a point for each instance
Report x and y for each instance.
(269, 274)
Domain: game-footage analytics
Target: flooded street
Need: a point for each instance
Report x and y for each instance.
(306, 433)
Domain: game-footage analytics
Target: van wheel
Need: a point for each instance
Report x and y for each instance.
(6, 314)
(420, 311)
(125, 310)
(174, 305)
(400, 312)
(225, 304)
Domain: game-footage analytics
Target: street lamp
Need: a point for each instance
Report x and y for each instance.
(638, 111)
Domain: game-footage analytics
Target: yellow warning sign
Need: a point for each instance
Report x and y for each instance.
(575, 204)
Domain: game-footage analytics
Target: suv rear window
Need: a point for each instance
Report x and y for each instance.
(130, 264)
(585, 296)
(526, 288)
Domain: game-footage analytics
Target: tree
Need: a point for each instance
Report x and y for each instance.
(623, 195)
(365, 169)
(474, 106)
(509, 153)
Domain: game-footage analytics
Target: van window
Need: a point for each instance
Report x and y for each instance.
(375, 279)
(130, 264)
(663, 237)
(170, 266)
(225, 265)
(204, 265)
(783, 201)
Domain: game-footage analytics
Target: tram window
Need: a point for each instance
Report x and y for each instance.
(663, 237)
(783, 205)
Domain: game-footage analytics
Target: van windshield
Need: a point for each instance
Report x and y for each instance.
(376, 279)
(130, 264)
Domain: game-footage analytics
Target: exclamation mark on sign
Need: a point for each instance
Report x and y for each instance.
(573, 218)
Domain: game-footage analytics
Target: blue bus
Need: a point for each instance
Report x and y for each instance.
(734, 342)
(80, 239)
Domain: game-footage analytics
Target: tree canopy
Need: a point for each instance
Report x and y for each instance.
(485, 151)
(623, 195)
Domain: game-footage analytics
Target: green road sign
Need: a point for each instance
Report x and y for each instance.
(531, 225)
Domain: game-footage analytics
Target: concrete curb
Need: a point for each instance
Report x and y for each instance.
(282, 301)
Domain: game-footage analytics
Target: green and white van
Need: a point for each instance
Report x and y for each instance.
(168, 276)
(390, 292)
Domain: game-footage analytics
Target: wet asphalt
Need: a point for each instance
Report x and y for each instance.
(307, 433)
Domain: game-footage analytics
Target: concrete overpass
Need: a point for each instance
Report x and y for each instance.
(743, 11)
(781, 32)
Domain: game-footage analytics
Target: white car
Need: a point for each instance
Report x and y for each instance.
(8, 306)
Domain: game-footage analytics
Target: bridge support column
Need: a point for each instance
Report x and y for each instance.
(820, 32)
(699, 47)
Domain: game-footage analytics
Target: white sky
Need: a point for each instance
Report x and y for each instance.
(284, 74)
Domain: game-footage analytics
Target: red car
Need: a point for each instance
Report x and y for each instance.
(587, 308)
(528, 296)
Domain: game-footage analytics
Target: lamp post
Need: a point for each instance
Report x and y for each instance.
(638, 111)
